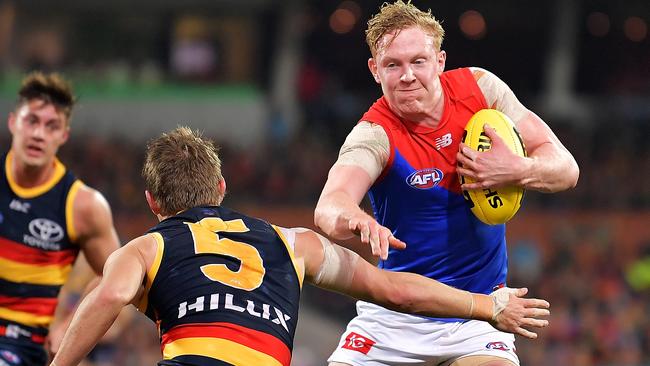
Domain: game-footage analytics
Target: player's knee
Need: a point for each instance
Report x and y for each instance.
(498, 363)
(481, 361)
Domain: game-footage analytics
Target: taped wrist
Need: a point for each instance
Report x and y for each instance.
(338, 265)
(500, 298)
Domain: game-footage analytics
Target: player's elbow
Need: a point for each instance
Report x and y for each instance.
(571, 172)
(113, 296)
(569, 178)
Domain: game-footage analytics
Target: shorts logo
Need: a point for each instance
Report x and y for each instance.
(357, 342)
(497, 346)
(10, 357)
(425, 178)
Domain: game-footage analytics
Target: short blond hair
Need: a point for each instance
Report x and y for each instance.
(400, 15)
(182, 170)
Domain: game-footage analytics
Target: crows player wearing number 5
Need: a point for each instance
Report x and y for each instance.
(224, 287)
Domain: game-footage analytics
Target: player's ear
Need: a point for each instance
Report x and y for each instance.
(11, 122)
(442, 60)
(151, 201)
(222, 189)
(372, 66)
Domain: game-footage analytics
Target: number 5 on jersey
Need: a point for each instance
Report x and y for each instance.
(206, 241)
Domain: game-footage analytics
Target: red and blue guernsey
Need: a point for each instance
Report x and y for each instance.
(37, 251)
(418, 195)
(224, 289)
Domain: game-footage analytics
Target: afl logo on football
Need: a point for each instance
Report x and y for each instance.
(46, 230)
(425, 178)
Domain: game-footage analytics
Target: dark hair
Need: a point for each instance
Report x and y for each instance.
(50, 88)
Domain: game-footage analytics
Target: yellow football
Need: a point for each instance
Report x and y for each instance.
(495, 205)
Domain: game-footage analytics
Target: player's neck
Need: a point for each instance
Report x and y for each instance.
(30, 176)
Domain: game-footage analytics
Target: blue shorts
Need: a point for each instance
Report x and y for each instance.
(13, 354)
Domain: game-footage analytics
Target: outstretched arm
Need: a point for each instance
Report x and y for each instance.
(361, 160)
(336, 268)
(120, 285)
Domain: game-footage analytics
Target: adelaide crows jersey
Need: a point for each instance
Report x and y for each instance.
(37, 251)
(418, 195)
(224, 290)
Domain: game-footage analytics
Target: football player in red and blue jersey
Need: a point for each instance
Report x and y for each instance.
(406, 153)
(224, 287)
(47, 216)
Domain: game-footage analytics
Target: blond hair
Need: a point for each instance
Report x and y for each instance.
(400, 15)
(182, 170)
(49, 88)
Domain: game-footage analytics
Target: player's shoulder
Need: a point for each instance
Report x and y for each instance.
(88, 199)
(365, 131)
(480, 73)
(91, 212)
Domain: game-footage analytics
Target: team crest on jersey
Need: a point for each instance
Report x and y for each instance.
(425, 178)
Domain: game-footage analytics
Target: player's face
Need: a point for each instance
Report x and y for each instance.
(408, 68)
(38, 130)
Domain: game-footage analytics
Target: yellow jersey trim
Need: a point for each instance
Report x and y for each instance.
(152, 271)
(51, 274)
(69, 210)
(59, 172)
(28, 319)
(220, 349)
(296, 267)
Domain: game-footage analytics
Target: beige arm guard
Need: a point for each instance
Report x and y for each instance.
(367, 147)
(498, 94)
(337, 269)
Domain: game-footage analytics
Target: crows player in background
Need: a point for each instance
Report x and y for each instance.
(415, 130)
(224, 287)
(47, 216)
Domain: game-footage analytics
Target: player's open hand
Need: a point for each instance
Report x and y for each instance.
(513, 313)
(494, 168)
(379, 237)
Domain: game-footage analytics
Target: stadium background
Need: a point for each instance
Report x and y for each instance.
(279, 84)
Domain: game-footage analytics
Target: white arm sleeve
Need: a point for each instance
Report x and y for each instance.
(367, 147)
(290, 235)
(498, 94)
(337, 269)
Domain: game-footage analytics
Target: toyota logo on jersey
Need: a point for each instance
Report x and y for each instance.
(425, 178)
(46, 230)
